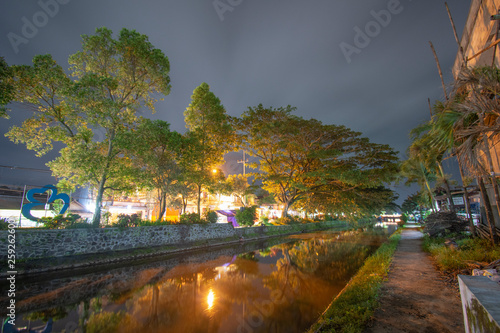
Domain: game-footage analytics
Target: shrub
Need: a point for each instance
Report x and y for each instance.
(211, 216)
(246, 215)
(469, 250)
(265, 220)
(61, 222)
(146, 223)
(127, 221)
(287, 220)
(190, 218)
(71, 219)
(4, 224)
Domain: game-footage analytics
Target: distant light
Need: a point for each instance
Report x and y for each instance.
(214, 171)
(129, 207)
(90, 207)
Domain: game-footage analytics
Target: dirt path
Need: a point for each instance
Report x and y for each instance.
(415, 298)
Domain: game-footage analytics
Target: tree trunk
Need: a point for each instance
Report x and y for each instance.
(184, 205)
(163, 205)
(467, 202)
(284, 212)
(431, 195)
(287, 206)
(492, 177)
(199, 200)
(487, 207)
(96, 219)
(447, 188)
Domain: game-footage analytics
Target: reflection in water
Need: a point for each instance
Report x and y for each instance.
(281, 288)
(210, 299)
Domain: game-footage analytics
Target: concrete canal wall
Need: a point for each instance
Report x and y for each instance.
(65, 242)
(480, 303)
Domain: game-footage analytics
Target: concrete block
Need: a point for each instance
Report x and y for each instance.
(480, 304)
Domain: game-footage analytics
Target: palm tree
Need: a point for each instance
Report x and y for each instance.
(441, 133)
(432, 155)
(476, 94)
(415, 171)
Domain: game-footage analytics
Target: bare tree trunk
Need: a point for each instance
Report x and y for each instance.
(487, 207)
(199, 200)
(447, 188)
(284, 212)
(96, 219)
(439, 70)
(428, 187)
(163, 205)
(460, 48)
(184, 204)
(467, 202)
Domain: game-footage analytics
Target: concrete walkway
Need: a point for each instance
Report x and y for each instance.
(415, 299)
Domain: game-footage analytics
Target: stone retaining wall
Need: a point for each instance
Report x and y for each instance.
(64, 242)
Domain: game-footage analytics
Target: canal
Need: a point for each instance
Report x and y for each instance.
(279, 285)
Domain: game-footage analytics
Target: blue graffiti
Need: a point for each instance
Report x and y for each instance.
(26, 210)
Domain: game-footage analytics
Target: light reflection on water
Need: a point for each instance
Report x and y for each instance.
(281, 288)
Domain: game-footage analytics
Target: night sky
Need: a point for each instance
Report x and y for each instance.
(363, 64)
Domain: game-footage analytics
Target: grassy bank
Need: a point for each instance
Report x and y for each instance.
(469, 253)
(354, 306)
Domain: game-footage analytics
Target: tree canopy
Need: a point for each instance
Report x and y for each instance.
(304, 159)
(211, 135)
(108, 81)
(6, 88)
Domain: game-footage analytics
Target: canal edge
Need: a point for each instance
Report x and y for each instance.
(186, 248)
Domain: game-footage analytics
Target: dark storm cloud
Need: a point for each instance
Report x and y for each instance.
(262, 51)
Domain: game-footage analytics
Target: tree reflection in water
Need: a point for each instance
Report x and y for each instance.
(282, 288)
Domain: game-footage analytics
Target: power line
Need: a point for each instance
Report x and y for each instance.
(13, 167)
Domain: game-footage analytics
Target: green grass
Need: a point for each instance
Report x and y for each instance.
(354, 306)
(455, 260)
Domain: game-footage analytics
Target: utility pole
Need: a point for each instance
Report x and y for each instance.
(244, 162)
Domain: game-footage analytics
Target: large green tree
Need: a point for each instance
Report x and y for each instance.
(6, 88)
(240, 188)
(300, 159)
(415, 171)
(211, 135)
(155, 151)
(108, 81)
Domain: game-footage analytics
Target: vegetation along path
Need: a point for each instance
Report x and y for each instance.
(415, 298)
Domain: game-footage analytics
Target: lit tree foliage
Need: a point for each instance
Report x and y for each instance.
(239, 187)
(306, 160)
(211, 135)
(6, 88)
(113, 78)
(155, 151)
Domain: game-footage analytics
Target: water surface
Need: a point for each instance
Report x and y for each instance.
(282, 285)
